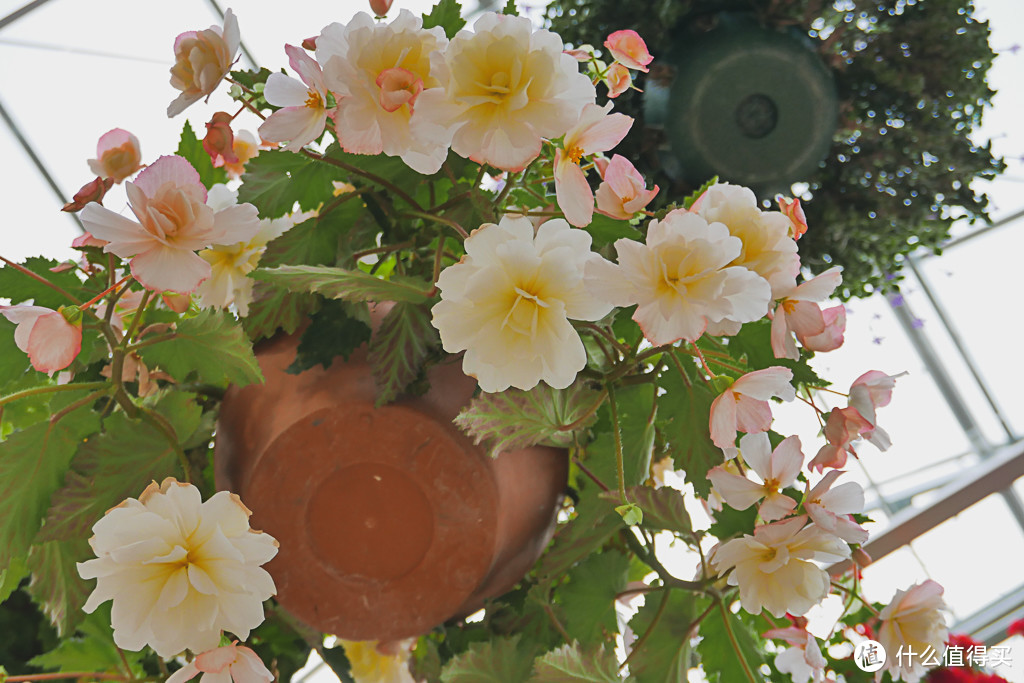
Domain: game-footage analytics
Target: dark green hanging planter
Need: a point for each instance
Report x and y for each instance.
(752, 105)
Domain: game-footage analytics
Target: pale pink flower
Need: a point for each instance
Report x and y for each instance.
(201, 60)
(618, 80)
(508, 302)
(50, 341)
(118, 155)
(744, 406)
(597, 131)
(777, 470)
(623, 191)
(179, 570)
(681, 279)
(629, 49)
(843, 427)
(798, 313)
(832, 337)
(792, 209)
(583, 53)
(174, 221)
(304, 114)
(913, 620)
(830, 508)
(380, 73)
(871, 391)
(803, 661)
(86, 239)
(775, 568)
(225, 664)
(506, 87)
(768, 250)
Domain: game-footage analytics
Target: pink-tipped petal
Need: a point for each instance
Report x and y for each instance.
(53, 343)
(170, 169)
(165, 268)
(575, 198)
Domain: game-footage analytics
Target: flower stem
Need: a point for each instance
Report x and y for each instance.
(437, 219)
(593, 477)
(735, 644)
(62, 675)
(83, 386)
(617, 433)
(57, 288)
(372, 177)
(638, 645)
(165, 428)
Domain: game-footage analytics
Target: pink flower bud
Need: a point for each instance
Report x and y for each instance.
(861, 558)
(118, 155)
(92, 191)
(623, 191)
(219, 140)
(50, 341)
(309, 43)
(792, 209)
(380, 7)
(629, 49)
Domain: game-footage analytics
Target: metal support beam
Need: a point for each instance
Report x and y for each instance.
(19, 13)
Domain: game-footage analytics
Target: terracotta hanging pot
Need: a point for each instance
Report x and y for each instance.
(390, 520)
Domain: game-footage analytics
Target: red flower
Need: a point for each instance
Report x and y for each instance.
(1016, 628)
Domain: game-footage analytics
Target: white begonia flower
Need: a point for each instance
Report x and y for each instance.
(179, 570)
(768, 250)
(230, 264)
(775, 567)
(681, 279)
(379, 72)
(508, 302)
(830, 508)
(505, 87)
(913, 620)
(303, 114)
(777, 470)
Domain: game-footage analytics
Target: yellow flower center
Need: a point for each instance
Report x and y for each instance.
(574, 154)
(524, 313)
(314, 101)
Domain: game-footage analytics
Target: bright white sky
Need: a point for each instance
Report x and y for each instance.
(71, 71)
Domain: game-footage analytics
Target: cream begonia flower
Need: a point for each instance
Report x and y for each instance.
(508, 302)
(681, 279)
(768, 250)
(303, 115)
(231, 663)
(370, 665)
(803, 661)
(201, 60)
(775, 567)
(505, 87)
(777, 469)
(169, 201)
(380, 72)
(230, 264)
(830, 508)
(179, 570)
(798, 313)
(913, 620)
(744, 405)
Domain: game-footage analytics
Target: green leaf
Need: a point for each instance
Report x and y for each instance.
(56, 585)
(400, 344)
(570, 664)
(274, 181)
(119, 464)
(499, 660)
(695, 195)
(604, 230)
(13, 361)
(92, 649)
(588, 600)
(19, 287)
(11, 577)
(730, 522)
(33, 462)
(333, 331)
(212, 345)
(351, 285)
(726, 642)
(515, 419)
(191, 148)
(688, 409)
(664, 655)
(636, 418)
(510, 8)
(448, 15)
(664, 508)
(595, 522)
